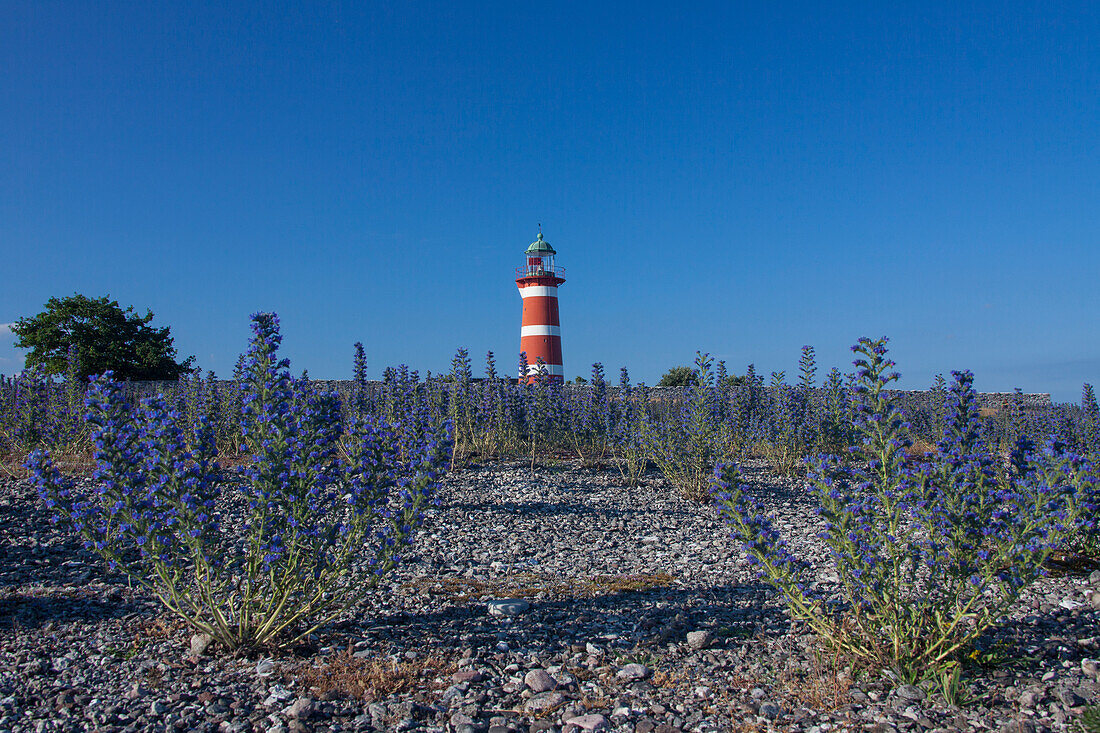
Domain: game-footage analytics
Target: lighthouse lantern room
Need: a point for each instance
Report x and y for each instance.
(540, 335)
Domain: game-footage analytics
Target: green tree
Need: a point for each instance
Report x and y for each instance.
(104, 336)
(679, 376)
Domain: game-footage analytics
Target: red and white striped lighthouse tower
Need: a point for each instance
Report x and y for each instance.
(540, 335)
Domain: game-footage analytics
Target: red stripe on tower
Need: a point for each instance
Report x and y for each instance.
(540, 335)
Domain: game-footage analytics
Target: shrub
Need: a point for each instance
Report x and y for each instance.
(312, 519)
(679, 376)
(928, 558)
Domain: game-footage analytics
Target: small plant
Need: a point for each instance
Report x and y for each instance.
(948, 682)
(1090, 719)
(314, 519)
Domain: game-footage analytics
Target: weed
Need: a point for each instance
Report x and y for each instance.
(154, 676)
(373, 678)
(123, 653)
(823, 686)
(531, 585)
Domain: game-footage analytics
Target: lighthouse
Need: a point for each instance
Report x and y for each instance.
(540, 335)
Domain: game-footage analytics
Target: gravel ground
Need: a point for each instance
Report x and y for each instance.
(631, 611)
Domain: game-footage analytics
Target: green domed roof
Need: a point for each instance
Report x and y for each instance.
(540, 247)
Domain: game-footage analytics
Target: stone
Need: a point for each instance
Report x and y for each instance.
(157, 708)
(699, 639)
(633, 672)
(466, 675)
(459, 719)
(200, 643)
(1028, 699)
(1090, 666)
(544, 702)
(1018, 726)
(769, 710)
(507, 607)
(300, 708)
(539, 680)
(911, 692)
(1070, 698)
(1094, 599)
(589, 722)
(277, 695)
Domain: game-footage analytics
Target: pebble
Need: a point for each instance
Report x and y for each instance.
(633, 671)
(699, 639)
(543, 702)
(770, 710)
(200, 643)
(594, 722)
(539, 681)
(468, 675)
(911, 692)
(300, 708)
(508, 607)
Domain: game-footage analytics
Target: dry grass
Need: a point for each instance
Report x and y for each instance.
(1061, 564)
(821, 687)
(532, 585)
(921, 449)
(154, 677)
(371, 679)
(162, 628)
(11, 464)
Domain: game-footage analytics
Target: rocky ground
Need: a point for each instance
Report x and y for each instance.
(623, 609)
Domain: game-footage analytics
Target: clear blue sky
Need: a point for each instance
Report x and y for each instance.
(742, 180)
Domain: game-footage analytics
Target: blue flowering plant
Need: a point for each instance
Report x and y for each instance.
(928, 556)
(36, 410)
(629, 429)
(265, 556)
(588, 416)
(685, 445)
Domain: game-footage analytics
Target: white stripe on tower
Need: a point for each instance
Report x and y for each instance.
(539, 291)
(539, 331)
